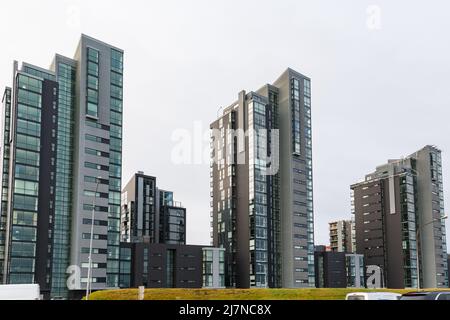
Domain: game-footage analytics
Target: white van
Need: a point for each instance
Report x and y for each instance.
(373, 296)
(20, 292)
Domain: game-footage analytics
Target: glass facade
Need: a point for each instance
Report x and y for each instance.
(25, 188)
(66, 77)
(302, 179)
(92, 82)
(274, 218)
(5, 158)
(438, 212)
(170, 268)
(296, 135)
(125, 268)
(258, 193)
(309, 179)
(409, 243)
(174, 222)
(115, 167)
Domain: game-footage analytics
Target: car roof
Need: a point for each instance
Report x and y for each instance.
(425, 293)
(380, 292)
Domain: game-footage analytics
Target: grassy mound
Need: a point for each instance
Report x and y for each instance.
(233, 294)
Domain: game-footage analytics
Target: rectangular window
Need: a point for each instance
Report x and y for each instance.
(116, 92)
(96, 222)
(93, 55)
(116, 131)
(116, 118)
(97, 153)
(27, 142)
(23, 249)
(22, 265)
(28, 188)
(26, 172)
(28, 127)
(116, 105)
(25, 218)
(29, 98)
(116, 61)
(30, 84)
(116, 79)
(28, 113)
(92, 96)
(92, 82)
(23, 233)
(27, 157)
(95, 166)
(92, 69)
(96, 139)
(92, 109)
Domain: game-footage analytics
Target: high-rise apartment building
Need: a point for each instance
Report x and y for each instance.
(262, 188)
(150, 214)
(398, 212)
(61, 153)
(342, 236)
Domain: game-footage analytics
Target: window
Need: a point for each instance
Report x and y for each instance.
(96, 222)
(22, 265)
(92, 82)
(116, 118)
(116, 105)
(26, 172)
(94, 124)
(116, 144)
(29, 113)
(116, 61)
(116, 79)
(92, 109)
(95, 166)
(22, 202)
(116, 131)
(24, 218)
(29, 98)
(93, 55)
(23, 249)
(27, 157)
(97, 153)
(23, 233)
(27, 142)
(30, 84)
(88, 207)
(307, 87)
(116, 157)
(92, 69)
(89, 193)
(26, 187)
(116, 92)
(96, 139)
(87, 236)
(29, 128)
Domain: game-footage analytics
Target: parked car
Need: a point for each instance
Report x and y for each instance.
(372, 296)
(20, 292)
(437, 295)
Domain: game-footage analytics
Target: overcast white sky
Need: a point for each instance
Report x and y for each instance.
(378, 93)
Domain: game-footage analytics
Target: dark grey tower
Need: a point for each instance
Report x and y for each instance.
(62, 136)
(398, 213)
(151, 215)
(261, 186)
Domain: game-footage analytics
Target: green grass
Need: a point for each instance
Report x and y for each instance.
(234, 294)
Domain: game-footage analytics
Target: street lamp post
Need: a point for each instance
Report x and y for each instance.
(89, 275)
(417, 247)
